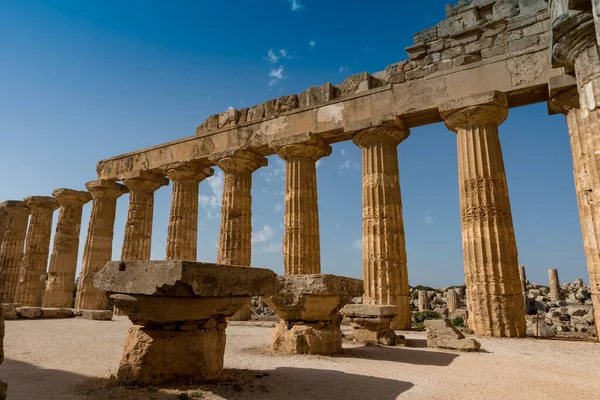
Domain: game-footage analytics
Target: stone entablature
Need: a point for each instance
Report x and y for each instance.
(491, 48)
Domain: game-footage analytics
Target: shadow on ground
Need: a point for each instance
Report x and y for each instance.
(27, 381)
(405, 355)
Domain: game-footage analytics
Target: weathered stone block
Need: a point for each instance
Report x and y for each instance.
(494, 51)
(457, 24)
(270, 108)
(97, 315)
(417, 51)
(427, 35)
(353, 83)
(441, 334)
(286, 103)
(29, 312)
(317, 95)
(229, 118)
(307, 339)
(524, 43)
(479, 45)
(537, 326)
(10, 311)
(503, 9)
(157, 356)
(466, 59)
(371, 323)
(395, 73)
(210, 124)
(256, 113)
(453, 52)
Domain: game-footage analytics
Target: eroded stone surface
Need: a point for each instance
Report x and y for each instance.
(441, 333)
(371, 323)
(97, 315)
(11, 247)
(29, 312)
(318, 338)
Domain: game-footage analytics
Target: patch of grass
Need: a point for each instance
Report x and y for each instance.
(421, 316)
(458, 322)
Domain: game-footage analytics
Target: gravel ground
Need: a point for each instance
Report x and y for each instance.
(74, 359)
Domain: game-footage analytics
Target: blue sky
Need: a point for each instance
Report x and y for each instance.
(85, 80)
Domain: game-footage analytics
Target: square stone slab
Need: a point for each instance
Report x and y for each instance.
(184, 278)
(369, 311)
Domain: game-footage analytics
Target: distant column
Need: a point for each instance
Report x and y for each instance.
(99, 242)
(11, 249)
(453, 300)
(494, 294)
(182, 236)
(137, 243)
(32, 274)
(235, 238)
(423, 300)
(385, 273)
(554, 285)
(63, 262)
(3, 221)
(301, 240)
(523, 278)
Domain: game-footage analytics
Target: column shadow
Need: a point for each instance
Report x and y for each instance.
(401, 355)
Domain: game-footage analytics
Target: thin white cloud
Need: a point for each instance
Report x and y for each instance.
(348, 165)
(278, 207)
(357, 244)
(312, 44)
(275, 172)
(318, 163)
(343, 152)
(277, 73)
(274, 247)
(295, 4)
(264, 235)
(338, 226)
(271, 57)
(343, 69)
(213, 199)
(208, 98)
(429, 218)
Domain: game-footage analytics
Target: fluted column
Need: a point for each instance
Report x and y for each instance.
(11, 249)
(423, 300)
(137, 242)
(3, 221)
(494, 296)
(63, 261)
(32, 274)
(384, 247)
(235, 238)
(182, 236)
(99, 242)
(554, 284)
(301, 241)
(453, 300)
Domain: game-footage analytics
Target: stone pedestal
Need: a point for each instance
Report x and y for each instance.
(308, 306)
(137, 243)
(32, 275)
(235, 238)
(180, 308)
(423, 301)
(453, 300)
(11, 249)
(554, 284)
(301, 240)
(99, 242)
(494, 295)
(371, 323)
(182, 235)
(63, 262)
(384, 247)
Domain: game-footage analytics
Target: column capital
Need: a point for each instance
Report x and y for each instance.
(238, 160)
(43, 202)
(188, 171)
(395, 134)
(306, 145)
(484, 108)
(148, 183)
(14, 206)
(103, 188)
(573, 31)
(69, 197)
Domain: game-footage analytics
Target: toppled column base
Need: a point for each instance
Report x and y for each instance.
(309, 338)
(182, 353)
(442, 334)
(371, 323)
(308, 306)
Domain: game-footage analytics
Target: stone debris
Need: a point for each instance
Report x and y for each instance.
(29, 312)
(371, 323)
(441, 334)
(97, 315)
(14, 311)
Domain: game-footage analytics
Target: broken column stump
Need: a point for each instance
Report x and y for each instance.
(442, 334)
(371, 323)
(180, 310)
(308, 306)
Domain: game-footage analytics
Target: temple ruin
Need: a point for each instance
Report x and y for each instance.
(468, 71)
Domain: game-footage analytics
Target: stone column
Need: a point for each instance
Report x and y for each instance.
(63, 261)
(32, 274)
(99, 242)
(182, 236)
(301, 242)
(235, 238)
(453, 300)
(494, 295)
(423, 301)
(3, 221)
(575, 48)
(554, 285)
(137, 242)
(11, 249)
(523, 279)
(384, 248)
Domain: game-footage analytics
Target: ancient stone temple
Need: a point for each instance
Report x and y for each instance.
(468, 71)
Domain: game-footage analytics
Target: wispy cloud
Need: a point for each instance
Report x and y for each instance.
(274, 247)
(276, 76)
(318, 163)
(274, 172)
(271, 57)
(429, 218)
(348, 165)
(357, 244)
(295, 4)
(213, 199)
(343, 152)
(312, 44)
(278, 208)
(343, 69)
(264, 235)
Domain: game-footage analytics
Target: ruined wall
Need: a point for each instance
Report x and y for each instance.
(481, 46)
